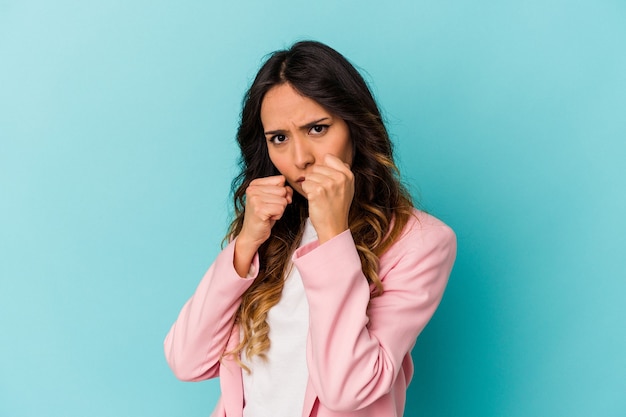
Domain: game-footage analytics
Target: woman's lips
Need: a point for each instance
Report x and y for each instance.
(300, 180)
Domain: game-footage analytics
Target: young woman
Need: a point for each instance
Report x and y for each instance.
(330, 274)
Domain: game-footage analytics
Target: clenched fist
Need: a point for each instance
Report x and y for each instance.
(266, 200)
(329, 187)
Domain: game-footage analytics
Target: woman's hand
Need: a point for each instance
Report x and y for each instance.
(266, 200)
(329, 189)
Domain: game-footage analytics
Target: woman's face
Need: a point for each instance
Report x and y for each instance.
(300, 132)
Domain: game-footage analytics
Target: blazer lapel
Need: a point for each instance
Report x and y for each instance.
(309, 400)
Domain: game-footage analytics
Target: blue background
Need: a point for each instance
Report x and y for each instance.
(117, 124)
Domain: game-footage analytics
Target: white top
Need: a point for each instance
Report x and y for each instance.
(276, 387)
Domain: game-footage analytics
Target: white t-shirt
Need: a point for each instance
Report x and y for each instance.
(276, 387)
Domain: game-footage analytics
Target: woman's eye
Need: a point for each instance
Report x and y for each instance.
(318, 129)
(276, 139)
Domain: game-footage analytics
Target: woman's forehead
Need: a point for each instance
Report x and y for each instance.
(283, 107)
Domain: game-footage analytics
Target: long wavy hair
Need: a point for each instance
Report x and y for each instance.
(381, 205)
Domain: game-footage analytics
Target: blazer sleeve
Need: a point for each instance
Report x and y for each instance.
(196, 341)
(356, 346)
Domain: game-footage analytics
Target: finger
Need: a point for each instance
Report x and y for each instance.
(261, 200)
(323, 174)
(277, 190)
(265, 210)
(321, 170)
(316, 185)
(317, 178)
(333, 162)
(273, 180)
(275, 211)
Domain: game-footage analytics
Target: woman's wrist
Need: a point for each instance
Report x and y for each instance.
(244, 254)
(326, 232)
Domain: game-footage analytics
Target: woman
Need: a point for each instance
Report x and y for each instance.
(330, 274)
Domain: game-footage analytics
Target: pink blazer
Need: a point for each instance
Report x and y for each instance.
(358, 352)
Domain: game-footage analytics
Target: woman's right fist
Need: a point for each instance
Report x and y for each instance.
(266, 200)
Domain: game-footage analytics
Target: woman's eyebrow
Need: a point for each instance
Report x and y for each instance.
(314, 123)
(306, 126)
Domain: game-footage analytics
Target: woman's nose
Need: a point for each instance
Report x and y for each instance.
(302, 153)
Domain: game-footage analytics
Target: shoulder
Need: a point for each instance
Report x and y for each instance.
(423, 232)
(422, 224)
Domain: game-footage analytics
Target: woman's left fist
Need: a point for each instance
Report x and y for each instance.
(329, 188)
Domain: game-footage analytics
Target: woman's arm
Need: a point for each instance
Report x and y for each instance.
(356, 347)
(198, 338)
(196, 341)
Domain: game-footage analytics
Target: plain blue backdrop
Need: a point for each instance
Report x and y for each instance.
(117, 124)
